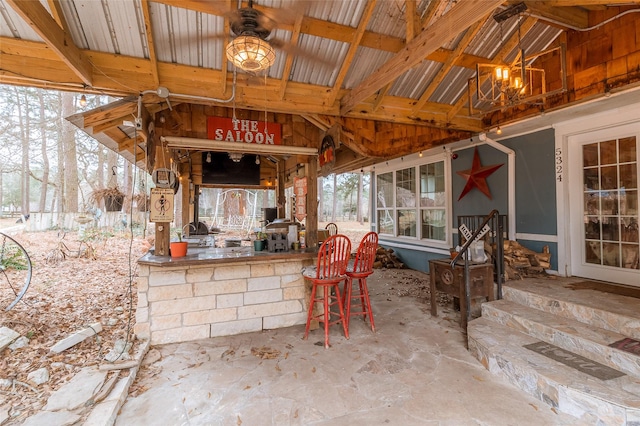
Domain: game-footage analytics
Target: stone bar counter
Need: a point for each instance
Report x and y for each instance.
(219, 292)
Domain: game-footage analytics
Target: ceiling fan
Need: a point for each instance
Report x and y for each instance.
(250, 50)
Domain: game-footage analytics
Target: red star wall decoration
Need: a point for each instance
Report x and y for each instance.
(477, 176)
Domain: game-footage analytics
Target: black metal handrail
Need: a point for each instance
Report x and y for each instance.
(498, 256)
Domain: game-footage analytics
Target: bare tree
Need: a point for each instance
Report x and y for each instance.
(43, 150)
(359, 197)
(70, 159)
(335, 198)
(24, 122)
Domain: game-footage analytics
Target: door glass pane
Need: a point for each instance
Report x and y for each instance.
(630, 254)
(590, 155)
(628, 149)
(592, 228)
(628, 176)
(609, 177)
(591, 178)
(608, 152)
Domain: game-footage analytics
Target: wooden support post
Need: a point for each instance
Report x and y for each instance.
(163, 229)
(281, 201)
(311, 230)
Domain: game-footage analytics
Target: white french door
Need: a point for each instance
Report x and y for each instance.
(604, 181)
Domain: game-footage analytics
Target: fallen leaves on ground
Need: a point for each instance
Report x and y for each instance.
(63, 298)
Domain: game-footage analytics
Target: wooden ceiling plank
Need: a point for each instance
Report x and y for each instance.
(146, 13)
(525, 27)
(55, 37)
(353, 48)
(446, 67)
(459, 18)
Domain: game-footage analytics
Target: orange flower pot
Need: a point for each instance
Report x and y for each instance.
(178, 249)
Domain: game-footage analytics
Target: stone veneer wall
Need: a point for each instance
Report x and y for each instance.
(183, 303)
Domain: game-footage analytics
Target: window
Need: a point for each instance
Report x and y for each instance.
(433, 218)
(384, 203)
(412, 202)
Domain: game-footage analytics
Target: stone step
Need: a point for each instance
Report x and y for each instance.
(501, 350)
(574, 336)
(603, 310)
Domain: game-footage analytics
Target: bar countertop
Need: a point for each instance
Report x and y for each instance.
(199, 256)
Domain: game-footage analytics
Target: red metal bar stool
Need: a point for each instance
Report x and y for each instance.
(362, 267)
(329, 272)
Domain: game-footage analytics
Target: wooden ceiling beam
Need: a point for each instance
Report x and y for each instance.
(115, 110)
(572, 17)
(459, 18)
(55, 37)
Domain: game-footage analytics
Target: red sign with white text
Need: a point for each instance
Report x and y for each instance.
(247, 131)
(300, 190)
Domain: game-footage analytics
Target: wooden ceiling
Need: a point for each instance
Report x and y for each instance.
(367, 56)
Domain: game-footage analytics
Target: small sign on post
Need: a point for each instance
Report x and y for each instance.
(161, 205)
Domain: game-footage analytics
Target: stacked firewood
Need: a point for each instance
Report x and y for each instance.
(385, 258)
(521, 262)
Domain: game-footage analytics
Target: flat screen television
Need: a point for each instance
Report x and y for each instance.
(222, 170)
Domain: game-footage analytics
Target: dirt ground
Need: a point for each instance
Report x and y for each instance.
(77, 283)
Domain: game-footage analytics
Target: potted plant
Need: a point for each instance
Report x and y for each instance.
(178, 248)
(260, 242)
(112, 197)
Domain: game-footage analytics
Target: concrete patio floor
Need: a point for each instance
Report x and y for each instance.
(414, 370)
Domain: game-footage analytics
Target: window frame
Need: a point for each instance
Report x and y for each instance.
(393, 167)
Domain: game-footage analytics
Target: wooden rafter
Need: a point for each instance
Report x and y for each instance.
(58, 15)
(55, 37)
(446, 67)
(150, 43)
(353, 48)
(525, 27)
(289, 61)
(459, 18)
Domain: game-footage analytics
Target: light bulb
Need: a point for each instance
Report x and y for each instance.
(83, 101)
(208, 157)
(498, 131)
(257, 159)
